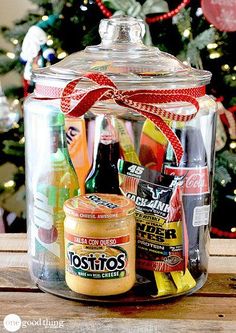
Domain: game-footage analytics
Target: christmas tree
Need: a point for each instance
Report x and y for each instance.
(186, 29)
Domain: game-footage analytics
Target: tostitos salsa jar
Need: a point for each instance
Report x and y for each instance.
(100, 234)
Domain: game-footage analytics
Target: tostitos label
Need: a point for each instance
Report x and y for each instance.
(96, 258)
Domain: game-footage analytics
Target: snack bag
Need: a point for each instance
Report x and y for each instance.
(160, 241)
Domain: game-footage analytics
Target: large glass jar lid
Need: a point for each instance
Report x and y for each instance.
(124, 58)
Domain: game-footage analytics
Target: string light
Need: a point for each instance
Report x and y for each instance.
(21, 169)
(9, 184)
(233, 229)
(199, 11)
(215, 55)
(49, 42)
(234, 68)
(233, 77)
(11, 55)
(62, 55)
(186, 33)
(232, 146)
(15, 102)
(223, 182)
(225, 67)
(22, 141)
(211, 46)
(44, 17)
(15, 125)
(14, 41)
(83, 8)
(234, 191)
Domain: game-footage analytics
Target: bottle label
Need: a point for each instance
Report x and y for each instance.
(196, 180)
(201, 215)
(97, 258)
(47, 223)
(49, 220)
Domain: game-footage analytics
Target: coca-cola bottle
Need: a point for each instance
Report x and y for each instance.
(103, 176)
(196, 192)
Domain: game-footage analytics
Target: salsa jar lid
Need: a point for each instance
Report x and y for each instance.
(99, 206)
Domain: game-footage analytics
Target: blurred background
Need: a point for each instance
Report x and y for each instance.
(200, 33)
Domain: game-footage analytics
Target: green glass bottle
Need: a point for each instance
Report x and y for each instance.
(56, 182)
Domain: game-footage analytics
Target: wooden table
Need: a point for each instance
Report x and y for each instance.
(211, 309)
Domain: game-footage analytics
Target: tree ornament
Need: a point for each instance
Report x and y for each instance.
(220, 13)
(35, 51)
(8, 114)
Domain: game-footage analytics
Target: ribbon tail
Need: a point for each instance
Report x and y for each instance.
(171, 137)
(164, 128)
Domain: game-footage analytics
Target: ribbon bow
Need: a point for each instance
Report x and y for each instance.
(142, 101)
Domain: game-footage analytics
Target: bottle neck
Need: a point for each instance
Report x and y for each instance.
(58, 143)
(107, 139)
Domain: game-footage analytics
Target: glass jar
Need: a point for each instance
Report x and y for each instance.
(100, 233)
(118, 100)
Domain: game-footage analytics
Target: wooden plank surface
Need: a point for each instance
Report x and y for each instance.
(13, 242)
(13, 259)
(39, 305)
(211, 309)
(219, 316)
(123, 325)
(223, 247)
(222, 264)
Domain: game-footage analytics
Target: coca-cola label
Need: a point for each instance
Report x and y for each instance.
(196, 180)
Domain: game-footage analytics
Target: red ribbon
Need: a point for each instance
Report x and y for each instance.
(142, 101)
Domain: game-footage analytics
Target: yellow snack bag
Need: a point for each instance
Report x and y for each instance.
(183, 281)
(165, 286)
(126, 144)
